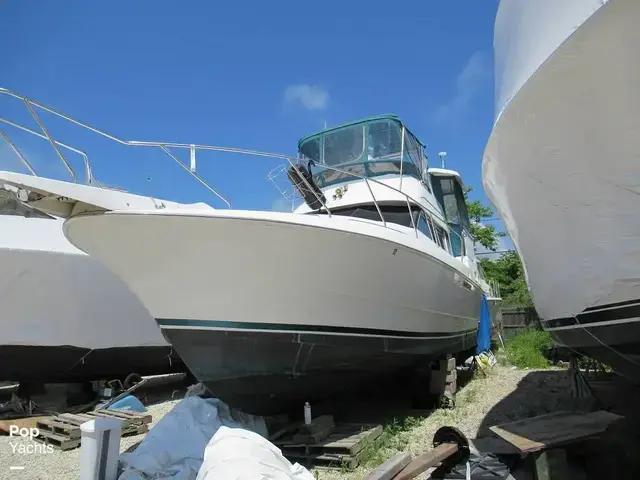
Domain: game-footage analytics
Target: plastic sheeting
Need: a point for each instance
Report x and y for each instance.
(526, 33)
(174, 448)
(561, 163)
(236, 454)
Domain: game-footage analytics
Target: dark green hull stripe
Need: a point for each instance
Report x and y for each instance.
(318, 329)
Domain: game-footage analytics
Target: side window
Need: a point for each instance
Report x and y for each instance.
(423, 225)
(442, 238)
(426, 178)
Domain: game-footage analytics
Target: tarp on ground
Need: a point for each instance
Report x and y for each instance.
(203, 437)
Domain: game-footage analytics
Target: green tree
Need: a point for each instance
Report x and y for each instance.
(485, 235)
(509, 273)
(506, 270)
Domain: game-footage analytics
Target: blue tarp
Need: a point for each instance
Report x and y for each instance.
(484, 328)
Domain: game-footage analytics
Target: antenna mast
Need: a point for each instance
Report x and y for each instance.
(442, 155)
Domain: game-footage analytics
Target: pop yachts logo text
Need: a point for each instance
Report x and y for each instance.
(20, 446)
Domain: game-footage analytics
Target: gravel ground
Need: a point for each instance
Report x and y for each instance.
(504, 394)
(58, 465)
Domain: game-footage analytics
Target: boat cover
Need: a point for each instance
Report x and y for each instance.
(561, 165)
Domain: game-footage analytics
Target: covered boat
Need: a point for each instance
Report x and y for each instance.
(561, 167)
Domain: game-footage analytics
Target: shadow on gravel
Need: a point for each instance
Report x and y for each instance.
(611, 455)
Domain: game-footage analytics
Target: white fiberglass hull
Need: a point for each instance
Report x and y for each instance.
(65, 316)
(562, 168)
(250, 294)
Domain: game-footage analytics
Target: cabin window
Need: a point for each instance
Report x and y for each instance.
(398, 214)
(412, 151)
(453, 202)
(424, 174)
(10, 205)
(343, 146)
(424, 225)
(311, 149)
(385, 140)
(443, 241)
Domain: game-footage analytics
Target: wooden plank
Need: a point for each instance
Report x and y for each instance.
(130, 414)
(427, 460)
(103, 414)
(135, 430)
(537, 433)
(494, 445)
(73, 418)
(390, 468)
(27, 422)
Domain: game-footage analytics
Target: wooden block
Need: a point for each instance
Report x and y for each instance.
(390, 468)
(427, 460)
(318, 424)
(451, 387)
(451, 376)
(319, 434)
(447, 365)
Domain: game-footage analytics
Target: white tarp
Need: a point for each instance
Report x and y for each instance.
(526, 33)
(561, 165)
(236, 454)
(174, 447)
(236, 447)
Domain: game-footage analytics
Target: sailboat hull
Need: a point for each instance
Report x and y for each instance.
(269, 308)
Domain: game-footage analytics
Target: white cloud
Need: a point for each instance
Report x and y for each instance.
(469, 83)
(311, 97)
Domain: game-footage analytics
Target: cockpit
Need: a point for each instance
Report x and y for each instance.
(368, 148)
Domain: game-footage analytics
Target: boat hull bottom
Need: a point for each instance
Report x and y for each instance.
(265, 373)
(616, 345)
(57, 364)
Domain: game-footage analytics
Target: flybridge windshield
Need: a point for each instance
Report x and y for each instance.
(370, 148)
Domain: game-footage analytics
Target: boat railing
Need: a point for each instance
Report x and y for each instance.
(294, 196)
(168, 147)
(494, 286)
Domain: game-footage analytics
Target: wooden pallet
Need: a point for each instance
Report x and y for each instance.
(63, 430)
(341, 449)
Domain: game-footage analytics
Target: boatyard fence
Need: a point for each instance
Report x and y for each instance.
(513, 321)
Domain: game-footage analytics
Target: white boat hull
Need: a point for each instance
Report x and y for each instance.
(562, 168)
(65, 316)
(264, 294)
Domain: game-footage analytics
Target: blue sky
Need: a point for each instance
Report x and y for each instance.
(249, 74)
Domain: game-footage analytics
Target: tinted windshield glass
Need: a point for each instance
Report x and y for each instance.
(311, 149)
(344, 146)
(385, 140)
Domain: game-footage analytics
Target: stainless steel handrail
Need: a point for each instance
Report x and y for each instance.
(165, 147)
